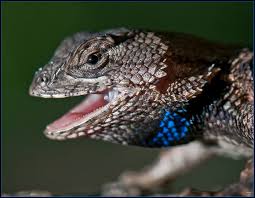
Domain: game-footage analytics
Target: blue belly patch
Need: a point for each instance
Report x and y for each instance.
(173, 127)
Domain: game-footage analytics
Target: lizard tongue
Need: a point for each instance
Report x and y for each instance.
(88, 105)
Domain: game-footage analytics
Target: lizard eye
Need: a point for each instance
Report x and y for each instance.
(81, 65)
(93, 59)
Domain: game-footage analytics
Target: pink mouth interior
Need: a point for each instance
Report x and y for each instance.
(88, 105)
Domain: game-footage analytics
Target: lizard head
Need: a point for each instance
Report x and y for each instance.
(114, 71)
(135, 85)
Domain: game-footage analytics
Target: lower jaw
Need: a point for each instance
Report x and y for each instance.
(77, 130)
(75, 123)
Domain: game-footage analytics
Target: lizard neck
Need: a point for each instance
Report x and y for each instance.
(223, 110)
(229, 118)
(222, 114)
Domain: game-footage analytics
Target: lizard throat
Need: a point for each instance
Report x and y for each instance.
(92, 106)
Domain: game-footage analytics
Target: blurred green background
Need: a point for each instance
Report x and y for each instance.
(30, 33)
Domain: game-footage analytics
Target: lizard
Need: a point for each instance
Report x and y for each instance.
(154, 89)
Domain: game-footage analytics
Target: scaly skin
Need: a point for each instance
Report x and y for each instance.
(169, 89)
(207, 85)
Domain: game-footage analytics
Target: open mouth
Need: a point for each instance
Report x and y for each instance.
(92, 106)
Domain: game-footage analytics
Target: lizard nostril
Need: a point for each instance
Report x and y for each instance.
(43, 79)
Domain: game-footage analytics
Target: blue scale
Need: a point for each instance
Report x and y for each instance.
(172, 128)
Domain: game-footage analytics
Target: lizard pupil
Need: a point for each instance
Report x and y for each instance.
(92, 59)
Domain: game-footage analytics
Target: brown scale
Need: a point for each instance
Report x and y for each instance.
(190, 56)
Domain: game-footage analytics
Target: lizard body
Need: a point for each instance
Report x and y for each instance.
(152, 89)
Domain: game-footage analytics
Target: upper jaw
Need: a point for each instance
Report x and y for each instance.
(68, 86)
(66, 90)
(56, 94)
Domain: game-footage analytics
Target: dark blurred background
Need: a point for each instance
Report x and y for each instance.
(30, 33)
